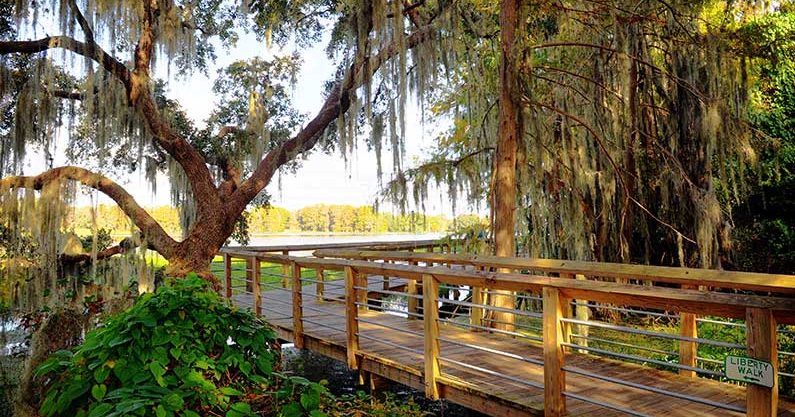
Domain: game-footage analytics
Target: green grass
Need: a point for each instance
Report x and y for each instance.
(271, 274)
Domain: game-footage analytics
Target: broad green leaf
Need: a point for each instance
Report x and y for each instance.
(99, 391)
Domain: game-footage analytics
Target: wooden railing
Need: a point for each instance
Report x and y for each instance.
(559, 298)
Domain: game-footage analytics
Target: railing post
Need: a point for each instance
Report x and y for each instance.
(298, 322)
(257, 290)
(476, 313)
(320, 277)
(554, 376)
(430, 288)
(762, 344)
(363, 293)
(351, 318)
(386, 278)
(688, 351)
(249, 274)
(411, 301)
(286, 270)
(228, 274)
(582, 312)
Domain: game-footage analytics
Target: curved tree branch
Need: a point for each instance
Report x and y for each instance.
(337, 103)
(154, 233)
(87, 49)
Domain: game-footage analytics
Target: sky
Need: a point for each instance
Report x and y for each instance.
(322, 178)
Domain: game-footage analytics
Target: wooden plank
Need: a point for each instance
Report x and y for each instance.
(351, 318)
(554, 376)
(228, 274)
(257, 288)
(430, 309)
(762, 344)
(778, 283)
(298, 323)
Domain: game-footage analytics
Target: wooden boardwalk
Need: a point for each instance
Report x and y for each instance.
(472, 375)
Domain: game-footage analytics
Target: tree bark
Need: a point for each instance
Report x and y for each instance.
(507, 148)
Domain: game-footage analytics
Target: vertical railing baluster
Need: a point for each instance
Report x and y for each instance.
(298, 321)
(762, 342)
(554, 376)
(351, 318)
(257, 289)
(430, 289)
(412, 300)
(249, 273)
(320, 285)
(286, 270)
(688, 351)
(476, 313)
(228, 274)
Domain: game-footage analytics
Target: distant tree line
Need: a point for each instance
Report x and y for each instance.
(319, 218)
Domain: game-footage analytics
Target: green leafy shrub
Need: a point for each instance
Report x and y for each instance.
(179, 352)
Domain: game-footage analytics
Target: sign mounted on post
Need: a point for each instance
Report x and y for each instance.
(752, 371)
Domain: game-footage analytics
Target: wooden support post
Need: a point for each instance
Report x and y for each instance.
(762, 344)
(257, 289)
(554, 376)
(286, 274)
(566, 313)
(412, 300)
(430, 248)
(363, 293)
(430, 287)
(250, 274)
(688, 327)
(298, 322)
(582, 312)
(386, 278)
(321, 286)
(476, 313)
(351, 318)
(228, 274)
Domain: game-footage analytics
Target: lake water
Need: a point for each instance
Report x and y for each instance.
(298, 239)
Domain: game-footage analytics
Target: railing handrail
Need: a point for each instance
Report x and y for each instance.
(761, 313)
(755, 281)
(674, 299)
(374, 245)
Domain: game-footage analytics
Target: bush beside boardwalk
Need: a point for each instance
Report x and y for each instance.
(183, 351)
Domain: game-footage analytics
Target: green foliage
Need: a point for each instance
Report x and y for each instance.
(179, 352)
(103, 241)
(764, 223)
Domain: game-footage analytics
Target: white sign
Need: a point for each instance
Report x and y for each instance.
(753, 371)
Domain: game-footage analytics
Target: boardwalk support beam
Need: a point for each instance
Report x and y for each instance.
(257, 289)
(298, 320)
(228, 274)
(430, 289)
(761, 337)
(285, 271)
(554, 376)
(351, 318)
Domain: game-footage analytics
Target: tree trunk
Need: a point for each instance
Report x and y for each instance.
(507, 148)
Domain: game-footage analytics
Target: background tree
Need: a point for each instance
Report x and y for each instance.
(635, 137)
(121, 113)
